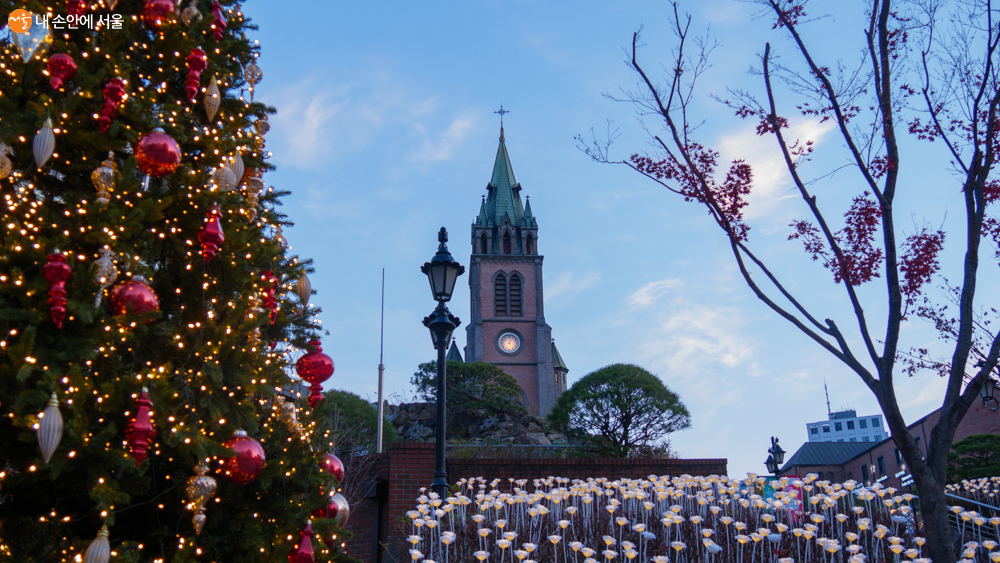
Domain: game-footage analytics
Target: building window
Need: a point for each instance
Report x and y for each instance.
(840, 440)
(899, 458)
(813, 430)
(864, 473)
(917, 440)
(506, 243)
(483, 248)
(874, 423)
(878, 437)
(850, 425)
(514, 295)
(863, 423)
(864, 438)
(854, 439)
(881, 465)
(826, 428)
(530, 244)
(838, 427)
(500, 295)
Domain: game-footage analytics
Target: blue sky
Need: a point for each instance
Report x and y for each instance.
(385, 132)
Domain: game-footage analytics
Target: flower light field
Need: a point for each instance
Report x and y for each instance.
(687, 519)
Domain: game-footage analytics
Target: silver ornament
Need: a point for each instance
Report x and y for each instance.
(191, 13)
(5, 164)
(44, 144)
(105, 273)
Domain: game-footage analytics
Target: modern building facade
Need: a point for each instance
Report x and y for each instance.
(507, 326)
(881, 462)
(847, 426)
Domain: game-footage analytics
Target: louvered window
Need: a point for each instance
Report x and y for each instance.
(515, 295)
(500, 295)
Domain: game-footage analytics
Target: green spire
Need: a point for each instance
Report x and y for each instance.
(557, 361)
(504, 192)
(453, 354)
(529, 219)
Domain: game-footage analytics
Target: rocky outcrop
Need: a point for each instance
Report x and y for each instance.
(415, 422)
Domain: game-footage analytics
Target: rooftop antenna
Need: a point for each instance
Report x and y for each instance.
(829, 411)
(381, 366)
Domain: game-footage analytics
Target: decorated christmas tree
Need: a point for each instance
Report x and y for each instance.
(149, 309)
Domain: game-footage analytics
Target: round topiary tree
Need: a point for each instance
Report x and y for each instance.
(619, 411)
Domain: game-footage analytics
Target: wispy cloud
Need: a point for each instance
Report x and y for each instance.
(318, 123)
(568, 284)
(695, 335)
(772, 183)
(651, 292)
(440, 145)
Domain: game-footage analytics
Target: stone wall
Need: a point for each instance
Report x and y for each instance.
(415, 422)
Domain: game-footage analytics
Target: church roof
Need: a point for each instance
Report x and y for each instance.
(453, 354)
(557, 361)
(504, 197)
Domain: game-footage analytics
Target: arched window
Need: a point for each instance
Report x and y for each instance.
(482, 244)
(500, 295)
(514, 296)
(530, 245)
(506, 243)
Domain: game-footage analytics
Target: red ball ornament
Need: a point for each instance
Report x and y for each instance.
(62, 67)
(331, 464)
(134, 297)
(157, 154)
(156, 14)
(249, 461)
(140, 431)
(57, 273)
(315, 368)
(302, 552)
(210, 236)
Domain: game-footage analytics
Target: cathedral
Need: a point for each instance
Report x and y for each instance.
(507, 326)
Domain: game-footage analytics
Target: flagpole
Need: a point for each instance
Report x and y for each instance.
(381, 367)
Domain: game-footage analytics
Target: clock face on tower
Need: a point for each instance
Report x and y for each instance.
(509, 343)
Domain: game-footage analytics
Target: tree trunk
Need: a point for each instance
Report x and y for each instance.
(940, 546)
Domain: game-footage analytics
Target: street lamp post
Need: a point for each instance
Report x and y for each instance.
(442, 272)
(775, 457)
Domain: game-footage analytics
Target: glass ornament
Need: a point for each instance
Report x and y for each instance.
(212, 99)
(99, 550)
(200, 489)
(6, 166)
(105, 179)
(105, 273)
(33, 42)
(44, 144)
(50, 429)
(191, 13)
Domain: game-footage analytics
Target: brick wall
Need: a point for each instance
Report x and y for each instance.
(410, 466)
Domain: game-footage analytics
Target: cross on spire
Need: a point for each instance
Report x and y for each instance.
(501, 112)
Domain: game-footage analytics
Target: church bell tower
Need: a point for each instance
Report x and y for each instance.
(507, 326)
